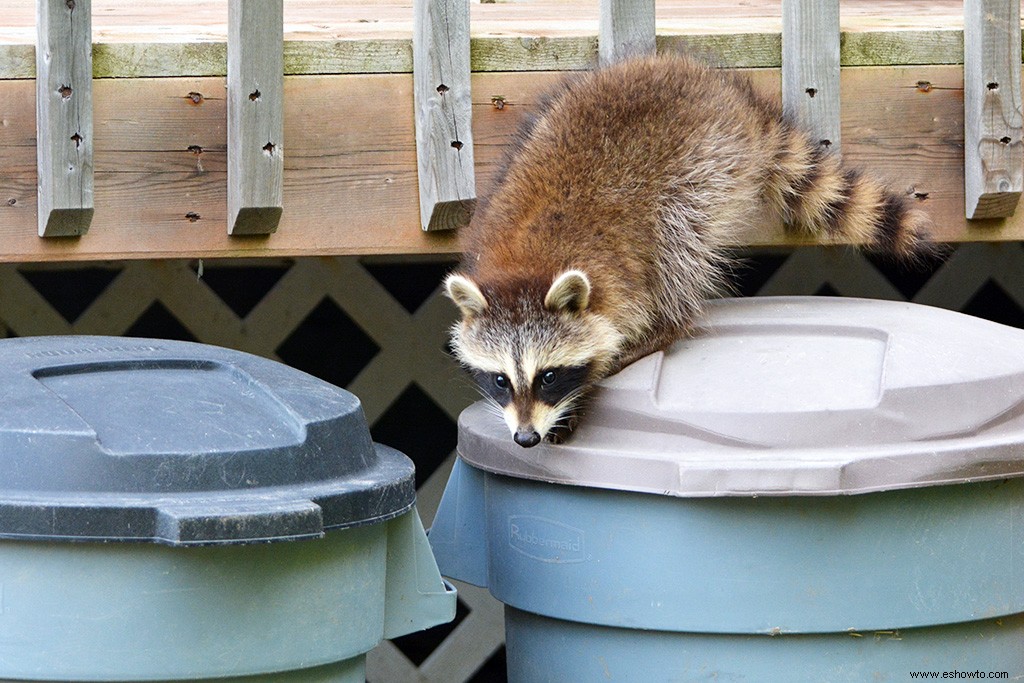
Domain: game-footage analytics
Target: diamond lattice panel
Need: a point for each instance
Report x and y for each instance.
(380, 328)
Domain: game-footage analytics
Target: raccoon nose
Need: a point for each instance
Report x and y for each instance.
(527, 439)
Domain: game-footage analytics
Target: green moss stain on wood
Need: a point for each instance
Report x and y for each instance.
(490, 54)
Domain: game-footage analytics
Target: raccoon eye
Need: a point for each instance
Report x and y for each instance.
(548, 378)
(501, 381)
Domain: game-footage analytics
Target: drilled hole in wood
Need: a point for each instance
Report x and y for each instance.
(65, 91)
(457, 144)
(269, 148)
(924, 86)
(992, 86)
(811, 91)
(1005, 140)
(826, 143)
(443, 88)
(255, 95)
(77, 139)
(196, 97)
(192, 216)
(195, 149)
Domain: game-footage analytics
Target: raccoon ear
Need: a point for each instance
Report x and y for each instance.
(466, 295)
(569, 292)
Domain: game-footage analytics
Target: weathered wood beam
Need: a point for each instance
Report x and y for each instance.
(625, 29)
(444, 117)
(255, 116)
(810, 67)
(64, 144)
(993, 149)
(355, 192)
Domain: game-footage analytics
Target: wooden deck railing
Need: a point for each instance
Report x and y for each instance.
(64, 141)
(320, 142)
(993, 149)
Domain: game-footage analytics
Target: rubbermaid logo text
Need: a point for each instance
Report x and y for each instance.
(546, 540)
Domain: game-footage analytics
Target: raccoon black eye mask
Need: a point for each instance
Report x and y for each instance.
(611, 222)
(550, 387)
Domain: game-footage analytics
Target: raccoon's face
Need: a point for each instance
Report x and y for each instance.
(534, 350)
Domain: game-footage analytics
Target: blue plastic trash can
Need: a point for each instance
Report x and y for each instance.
(809, 489)
(174, 511)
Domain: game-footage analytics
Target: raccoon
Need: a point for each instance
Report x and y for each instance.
(612, 221)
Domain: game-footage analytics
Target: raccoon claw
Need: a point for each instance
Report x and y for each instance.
(555, 438)
(561, 433)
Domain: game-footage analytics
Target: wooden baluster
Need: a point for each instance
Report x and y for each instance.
(626, 29)
(993, 151)
(255, 116)
(441, 93)
(810, 67)
(64, 116)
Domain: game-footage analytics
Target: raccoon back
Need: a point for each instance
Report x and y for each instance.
(644, 172)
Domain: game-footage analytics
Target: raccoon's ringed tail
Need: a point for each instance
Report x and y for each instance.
(837, 204)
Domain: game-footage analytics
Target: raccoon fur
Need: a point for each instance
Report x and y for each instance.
(612, 220)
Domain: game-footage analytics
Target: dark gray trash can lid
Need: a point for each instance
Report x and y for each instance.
(793, 396)
(114, 439)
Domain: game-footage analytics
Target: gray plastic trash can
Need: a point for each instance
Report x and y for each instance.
(808, 490)
(145, 490)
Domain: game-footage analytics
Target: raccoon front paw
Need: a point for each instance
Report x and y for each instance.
(556, 437)
(561, 433)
